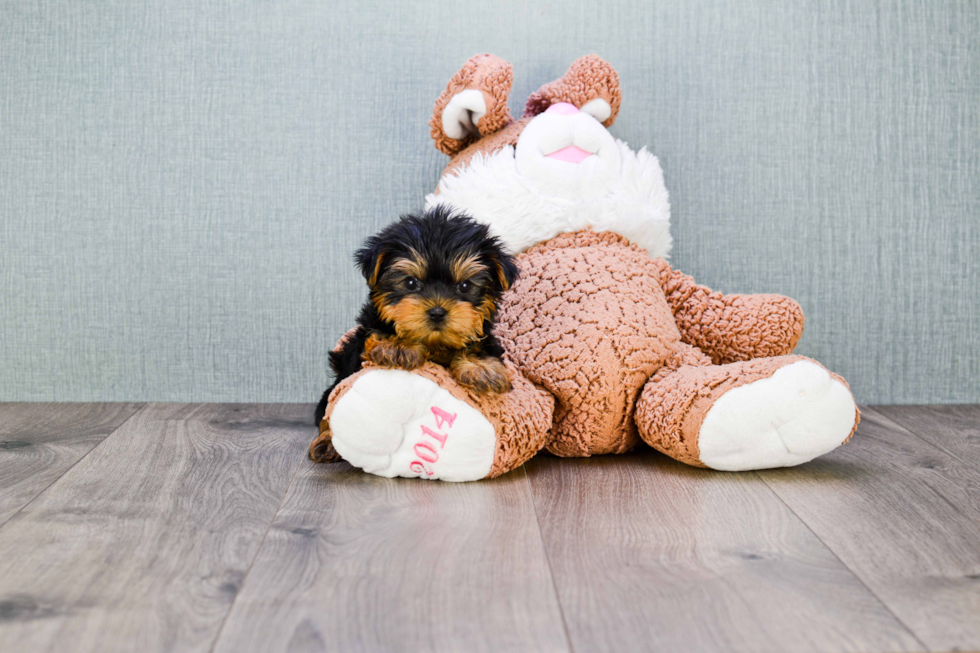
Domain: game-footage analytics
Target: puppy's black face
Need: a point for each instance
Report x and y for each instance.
(437, 277)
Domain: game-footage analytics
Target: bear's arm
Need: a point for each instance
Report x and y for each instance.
(730, 328)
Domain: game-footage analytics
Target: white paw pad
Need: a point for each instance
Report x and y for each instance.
(395, 423)
(790, 418)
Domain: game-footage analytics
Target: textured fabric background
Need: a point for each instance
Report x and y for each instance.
(182, 183)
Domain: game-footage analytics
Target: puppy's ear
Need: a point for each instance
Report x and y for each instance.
(591, 84)
(369, 260)
(473, 105)
(506, 271)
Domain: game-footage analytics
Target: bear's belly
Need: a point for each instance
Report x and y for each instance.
(588, 321)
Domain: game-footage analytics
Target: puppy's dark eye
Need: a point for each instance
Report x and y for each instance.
(412, 284)
(464, 287)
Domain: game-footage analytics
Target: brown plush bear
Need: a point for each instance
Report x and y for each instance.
(605, 344)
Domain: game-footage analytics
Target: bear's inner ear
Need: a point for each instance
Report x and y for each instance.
(463, 113)
(598, 109)
(474, 104)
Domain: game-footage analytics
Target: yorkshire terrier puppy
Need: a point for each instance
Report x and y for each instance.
(434, 278)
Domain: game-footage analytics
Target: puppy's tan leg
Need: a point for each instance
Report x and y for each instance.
(321, 449)
(392, 352)
(481, 375)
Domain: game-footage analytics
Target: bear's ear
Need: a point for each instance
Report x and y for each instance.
(591, 84)
(473, 105)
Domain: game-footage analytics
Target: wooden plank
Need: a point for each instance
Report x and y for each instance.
(356, 562)
(143, 545)
(649, 554)
(904, 516)
(40, 442)
(955, 428)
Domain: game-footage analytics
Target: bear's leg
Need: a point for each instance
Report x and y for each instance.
(757, 414)
(423, 424)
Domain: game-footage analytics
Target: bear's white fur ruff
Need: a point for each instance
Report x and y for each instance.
(492, 190)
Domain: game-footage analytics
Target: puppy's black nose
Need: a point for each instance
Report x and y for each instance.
(437, 314)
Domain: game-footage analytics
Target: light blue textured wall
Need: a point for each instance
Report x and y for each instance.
(182, 183)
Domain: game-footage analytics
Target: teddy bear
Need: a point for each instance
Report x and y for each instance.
(606, 346)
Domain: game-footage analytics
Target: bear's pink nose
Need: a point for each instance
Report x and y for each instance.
(562, 108)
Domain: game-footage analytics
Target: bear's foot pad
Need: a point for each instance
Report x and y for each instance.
(395, 423)
(789, 418)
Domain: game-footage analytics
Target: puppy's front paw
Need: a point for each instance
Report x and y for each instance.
(481, 375)
(385, 352)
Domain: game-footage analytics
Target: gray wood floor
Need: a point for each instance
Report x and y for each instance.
(204, 528)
